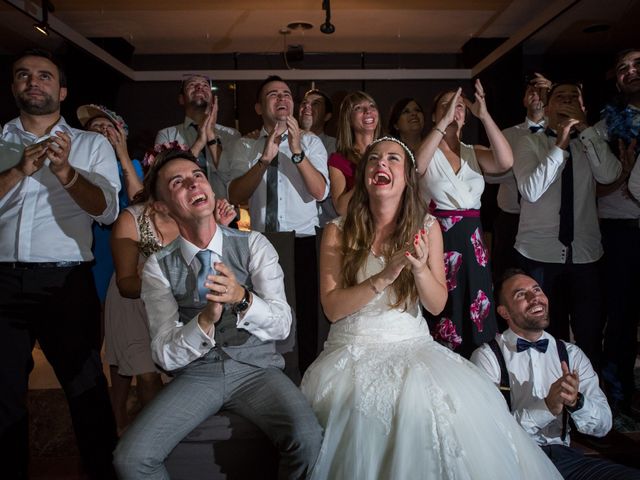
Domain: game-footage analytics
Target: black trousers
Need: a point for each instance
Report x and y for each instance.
(60, 309)
(306, 271)
(573, 465)
(621, 243)
(575, 294)
(503, 255)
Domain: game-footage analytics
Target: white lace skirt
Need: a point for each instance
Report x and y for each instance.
(412, 409)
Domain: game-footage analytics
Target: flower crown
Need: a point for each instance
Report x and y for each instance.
(150, 157)
(407, 150)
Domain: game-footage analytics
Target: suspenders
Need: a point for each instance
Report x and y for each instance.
(505, 384)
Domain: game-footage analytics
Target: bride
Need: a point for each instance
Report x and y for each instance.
(394, 403)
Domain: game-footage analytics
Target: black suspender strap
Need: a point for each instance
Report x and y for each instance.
(505, 384)
(564, 357)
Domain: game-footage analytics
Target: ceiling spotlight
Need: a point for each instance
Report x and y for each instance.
(299, 26)
(43, 26)
(327, 27)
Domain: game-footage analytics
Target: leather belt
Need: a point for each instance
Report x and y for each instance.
(37, 265)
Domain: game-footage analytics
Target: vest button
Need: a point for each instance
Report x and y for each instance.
(204, 344)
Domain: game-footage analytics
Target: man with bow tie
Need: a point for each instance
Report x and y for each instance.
(206, 138)
(558, 241)
(545, 381)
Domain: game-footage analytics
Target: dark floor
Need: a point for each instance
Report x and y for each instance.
(54, 455)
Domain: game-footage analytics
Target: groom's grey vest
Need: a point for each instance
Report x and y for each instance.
(239, 344)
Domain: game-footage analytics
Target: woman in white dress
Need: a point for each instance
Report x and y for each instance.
(395, 404)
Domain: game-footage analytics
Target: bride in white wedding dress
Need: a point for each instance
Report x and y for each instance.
(394, 403)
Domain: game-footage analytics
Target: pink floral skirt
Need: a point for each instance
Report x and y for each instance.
(468, 320)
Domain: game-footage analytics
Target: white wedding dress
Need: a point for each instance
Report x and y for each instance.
(395, 404)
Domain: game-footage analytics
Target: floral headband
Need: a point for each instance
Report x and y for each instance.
(150, 157)
(399, 142)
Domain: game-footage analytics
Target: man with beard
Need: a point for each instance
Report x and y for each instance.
(505, 226)
(619, 216)
(282, 174)
(199, 130)
(545, 381)
(65, 180)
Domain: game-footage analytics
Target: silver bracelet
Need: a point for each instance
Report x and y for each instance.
(442, 132)
(71, 182)
(373, 287)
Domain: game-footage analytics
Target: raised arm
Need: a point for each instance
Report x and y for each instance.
(429, 145)
(499, 158)
(315, 181)
(118, 139)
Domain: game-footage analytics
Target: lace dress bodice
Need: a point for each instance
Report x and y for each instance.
(148, 240)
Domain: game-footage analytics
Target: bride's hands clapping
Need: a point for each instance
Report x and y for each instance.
(418, 260)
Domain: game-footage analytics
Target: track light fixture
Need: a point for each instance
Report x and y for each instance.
(327, 27)
(43, 26)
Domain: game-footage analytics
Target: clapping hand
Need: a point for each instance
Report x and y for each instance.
(272, 145)
(564, 391)
(224, 212)
(418, 260)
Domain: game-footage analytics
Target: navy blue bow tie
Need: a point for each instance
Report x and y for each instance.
(535, 128)
(540, 345)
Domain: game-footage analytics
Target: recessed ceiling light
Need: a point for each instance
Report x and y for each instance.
(300, 26)
(597, 28)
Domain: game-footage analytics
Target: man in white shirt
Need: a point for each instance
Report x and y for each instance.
(282, 174)
(545, 381)
(216, 305)
(199, 130)
(316, 109)
(505, 226)
(619, 214)
(64, 181)
(558, 235)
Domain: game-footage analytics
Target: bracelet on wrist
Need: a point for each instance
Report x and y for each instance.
(71, 182)
(215, 141)
(373, 287)
(440, 131)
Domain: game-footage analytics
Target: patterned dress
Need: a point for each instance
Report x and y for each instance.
(468, 319)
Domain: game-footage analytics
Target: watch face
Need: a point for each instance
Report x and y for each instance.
(297, 157)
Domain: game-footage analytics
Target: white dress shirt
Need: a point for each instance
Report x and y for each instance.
(507, 198)
(297, 209)
(39, 220)
(531, 374)
(185, 134)
(538, 172)
(617, 204)
(174, 345)
(450, 190)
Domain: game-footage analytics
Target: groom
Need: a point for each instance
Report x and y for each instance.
(216, 335)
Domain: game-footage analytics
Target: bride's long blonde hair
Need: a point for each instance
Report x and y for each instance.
(359, 230)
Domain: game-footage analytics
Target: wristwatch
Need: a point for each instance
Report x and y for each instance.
(579, 404)
(243, 304)
(297, 157)
(215, 141)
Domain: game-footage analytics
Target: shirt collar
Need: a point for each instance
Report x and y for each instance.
(264, 134)
(188, 250)
(188, 121)
(15, 126)
(530, 123)
(510, 338)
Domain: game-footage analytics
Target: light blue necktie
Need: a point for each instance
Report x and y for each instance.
(204, 256)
